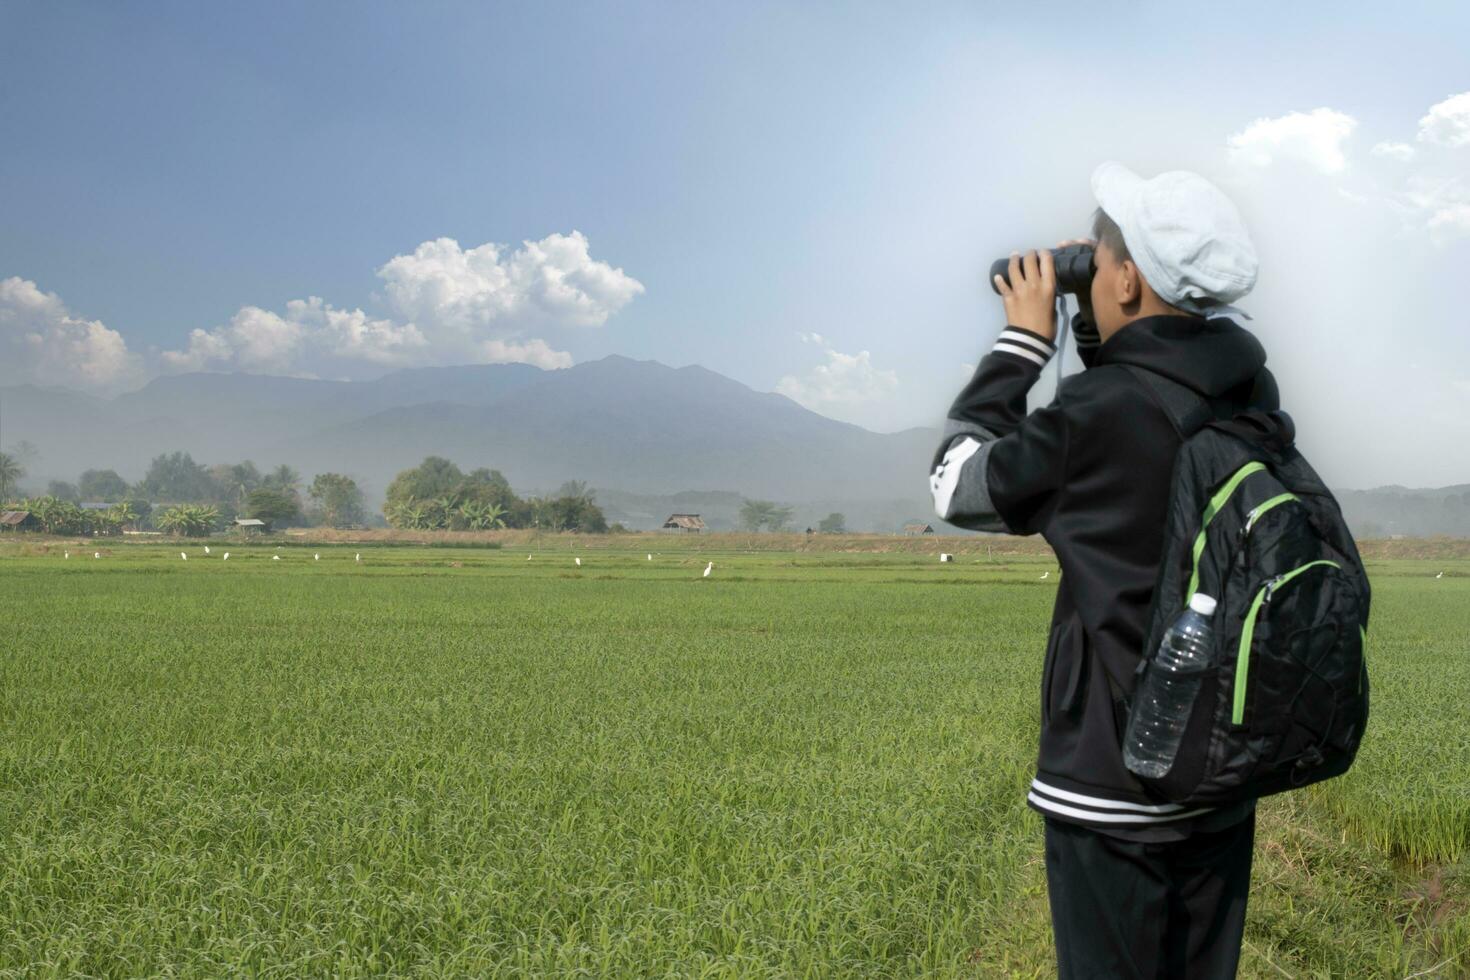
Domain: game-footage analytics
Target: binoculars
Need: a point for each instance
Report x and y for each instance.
(1074, 264)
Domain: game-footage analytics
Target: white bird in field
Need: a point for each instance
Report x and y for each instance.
(317, 557)
(96, 554)
(275, 557)
(528, 558)
(1045, 574)
(66, 554)
(708, 568)
(226, 557)
(1440, 575)
(650, 558)
(183, 556)
(578, 561)
(358, 557)
(206, 549)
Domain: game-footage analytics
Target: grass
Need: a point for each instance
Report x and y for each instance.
(458, 762)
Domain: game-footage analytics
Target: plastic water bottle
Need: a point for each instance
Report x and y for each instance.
(1163, 702)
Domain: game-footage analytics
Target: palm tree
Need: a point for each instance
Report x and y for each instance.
(482, 516)
(443, 509)
(122, 513)
(189, 520)
(10, 472)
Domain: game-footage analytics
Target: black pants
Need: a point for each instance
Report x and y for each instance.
(1126, 909)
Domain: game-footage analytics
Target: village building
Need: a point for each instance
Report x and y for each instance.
(918, 528)
(18, 520)
(684, 522)
(251, 525)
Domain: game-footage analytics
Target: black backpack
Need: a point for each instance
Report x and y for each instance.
(1251, 524)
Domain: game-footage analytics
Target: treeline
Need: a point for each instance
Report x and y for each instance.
(437, 494)
(180, 495)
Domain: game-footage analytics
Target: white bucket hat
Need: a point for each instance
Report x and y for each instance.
(1184, 234)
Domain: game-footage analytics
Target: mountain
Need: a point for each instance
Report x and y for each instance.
(651, 438)
(637, 427)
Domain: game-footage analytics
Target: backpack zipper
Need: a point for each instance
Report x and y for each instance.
(1247, 635)
(1217, 503)
(1261, 508)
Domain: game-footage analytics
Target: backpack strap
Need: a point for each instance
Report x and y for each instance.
(1187, 409)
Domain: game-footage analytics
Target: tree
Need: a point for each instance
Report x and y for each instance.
(481, 516)
(282, 477)
(575, 490)
(275, 507)
(176, 478)
(102, 485)
(833, 523)
(233, 481)
(755, 514)
(434, 477)
(10, 473)
(577, 513)
(339, 498)
(190, 520)
(63, 491)
(121, 514)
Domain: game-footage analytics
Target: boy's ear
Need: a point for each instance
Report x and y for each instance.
(1130, 287)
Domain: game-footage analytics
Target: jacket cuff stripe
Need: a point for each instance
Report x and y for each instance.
(1005, 347)
(1026, 338)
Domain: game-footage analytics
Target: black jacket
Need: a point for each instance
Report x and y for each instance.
(1091, 473)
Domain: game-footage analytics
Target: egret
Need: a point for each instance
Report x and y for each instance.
(708, 568)
(1440, 575)
(528, 558)
(275, 557)
(183, 556)
(358, 557)
(206, 549)
(1045, 574)
(317, 557)
(96, 554)
(226, 557)
(578, 561)
(650, 558)
(66, 554)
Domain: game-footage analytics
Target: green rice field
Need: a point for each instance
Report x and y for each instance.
(453, 761)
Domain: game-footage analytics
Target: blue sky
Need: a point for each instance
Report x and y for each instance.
(762, 175)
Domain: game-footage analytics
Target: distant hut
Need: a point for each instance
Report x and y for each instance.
(18, 520)
(917, 528)
(684, 522)
(251, 525)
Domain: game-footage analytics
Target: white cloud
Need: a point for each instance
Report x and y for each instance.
(843, 381)
(41, 342)
(811, 338)
(312, 334)
(530, 352)
(1447, 123)
(1314, 138)
(1444, 204)
(551, 282)
(1402, 152)
(451, 306)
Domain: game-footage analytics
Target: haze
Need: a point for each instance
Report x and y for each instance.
(801, 199)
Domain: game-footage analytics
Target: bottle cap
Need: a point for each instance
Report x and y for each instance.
(1202, 604)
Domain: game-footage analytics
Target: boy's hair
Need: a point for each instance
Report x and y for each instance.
(1106, 232)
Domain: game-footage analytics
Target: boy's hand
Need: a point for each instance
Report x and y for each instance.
(1031, 297)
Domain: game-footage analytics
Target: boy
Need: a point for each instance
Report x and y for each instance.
(1138, 887)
